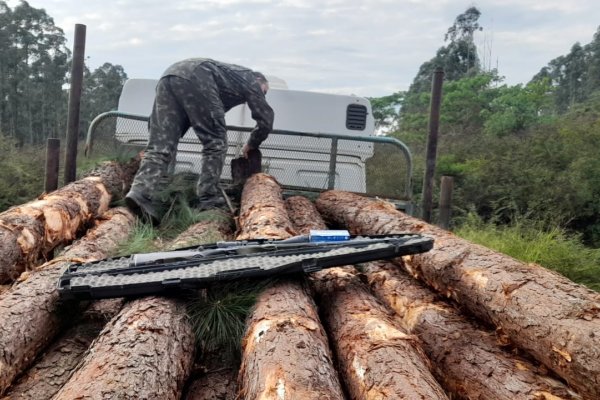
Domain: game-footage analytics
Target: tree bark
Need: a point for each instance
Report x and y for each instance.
(28, 233)
(554, 319)
(262, 211)
(213, 385)
(145, 352)
(467, 360)
(284, 351)
(52, 370)
(30, 313)
(303, 214)
(378, 359)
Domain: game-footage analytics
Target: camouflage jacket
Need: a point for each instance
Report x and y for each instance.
(236, 85)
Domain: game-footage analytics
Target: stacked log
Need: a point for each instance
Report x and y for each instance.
(552, 318)
(377, 358)
(30, 312)
(31, 231)
(146, 351)
(467, 360)
(285, 353)
(52, 370)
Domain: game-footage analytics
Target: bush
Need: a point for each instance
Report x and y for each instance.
(21, 172)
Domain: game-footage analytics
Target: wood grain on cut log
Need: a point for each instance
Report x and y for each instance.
(285, 354)
(145, 352)
(467, 360)
(262, 212)
(554, 319)
(378, 359)
(29, 232)
(30, 315)
(53, 368)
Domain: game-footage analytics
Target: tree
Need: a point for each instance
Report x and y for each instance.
(33, 66)
(385, 111)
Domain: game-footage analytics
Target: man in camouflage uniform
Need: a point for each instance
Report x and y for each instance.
(198, 92)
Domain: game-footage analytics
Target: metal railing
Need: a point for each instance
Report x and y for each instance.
(345, 160)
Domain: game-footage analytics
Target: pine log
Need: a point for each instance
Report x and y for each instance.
(542, 312)
(262, 211)
(218, 384)
(145, 352)
(30, 313)
(284, 351)
(467, 360)
(303, 214)
(28, 233)
(52, 370)
(378, 359)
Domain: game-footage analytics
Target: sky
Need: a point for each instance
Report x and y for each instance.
(364, 47)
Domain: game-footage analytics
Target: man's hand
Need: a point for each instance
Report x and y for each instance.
(246, 149)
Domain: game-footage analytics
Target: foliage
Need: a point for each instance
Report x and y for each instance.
(535, 242)
(385, 111)
(575, 76)
(219, 316)
(33, 67)
(22, 177)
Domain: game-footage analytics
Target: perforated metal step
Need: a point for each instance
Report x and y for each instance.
(154, 273)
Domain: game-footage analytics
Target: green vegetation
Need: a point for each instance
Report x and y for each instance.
(551, 247)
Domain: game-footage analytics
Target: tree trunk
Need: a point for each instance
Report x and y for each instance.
(146, 352)
(378, 359)
(303, 214)
(467, 360)
(30, 315)
(52, 370)
(31, 231)
(216, 384)
(554, 319)
(284, 352)
(262, 212)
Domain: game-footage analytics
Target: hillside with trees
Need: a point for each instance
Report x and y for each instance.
(521, 151)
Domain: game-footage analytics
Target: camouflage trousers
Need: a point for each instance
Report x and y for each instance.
(179, 104)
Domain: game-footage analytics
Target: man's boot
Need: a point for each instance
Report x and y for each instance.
(142, 207)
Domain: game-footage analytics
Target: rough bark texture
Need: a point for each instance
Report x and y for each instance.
(285, 354)
(145, 352)
(262, 211)
(213, 385)
(303, 214)
(52, 370)
(31, 231)
(378, 359)
(467, 360)
(30, 315)
(203, 233)
(554, 319)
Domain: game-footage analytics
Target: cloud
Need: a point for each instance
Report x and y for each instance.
(366, 47)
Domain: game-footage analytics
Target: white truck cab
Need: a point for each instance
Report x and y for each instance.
(294, 160)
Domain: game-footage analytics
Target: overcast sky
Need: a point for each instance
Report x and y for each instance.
(362, 47)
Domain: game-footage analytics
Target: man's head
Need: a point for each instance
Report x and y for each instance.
(262, 81)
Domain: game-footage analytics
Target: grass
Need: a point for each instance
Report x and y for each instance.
(531, 241)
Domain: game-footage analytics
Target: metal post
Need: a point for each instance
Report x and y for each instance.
(74, 103)
(447, 187)
(432, 139)
(332, 162)
(52, 162)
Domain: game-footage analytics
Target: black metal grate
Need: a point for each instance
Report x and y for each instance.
(356, 117)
